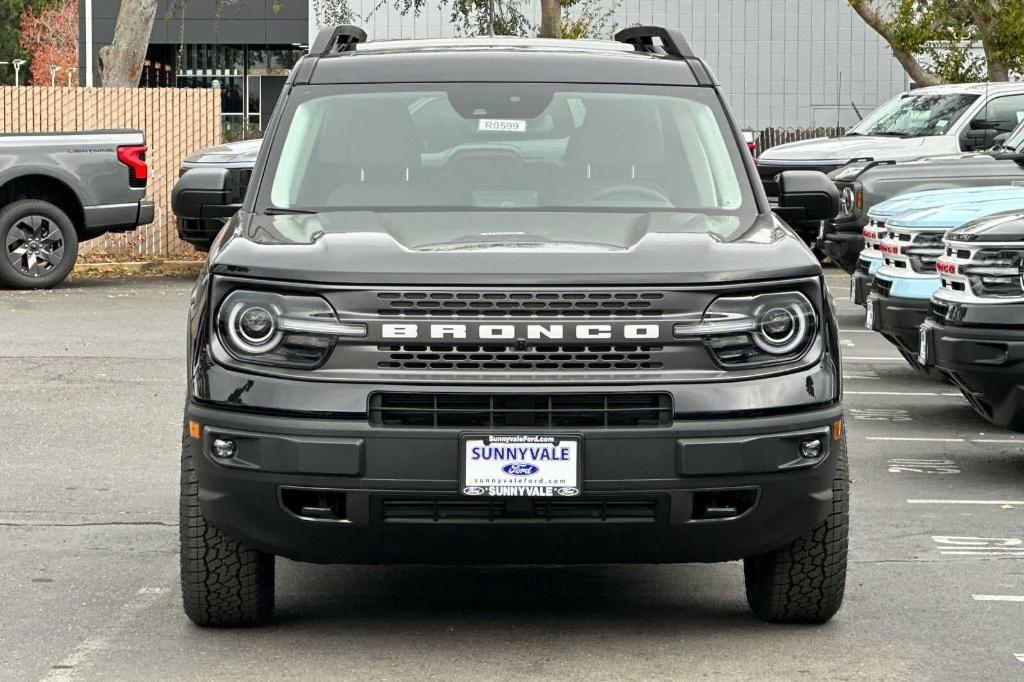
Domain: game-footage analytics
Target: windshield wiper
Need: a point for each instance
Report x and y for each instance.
(274, 210)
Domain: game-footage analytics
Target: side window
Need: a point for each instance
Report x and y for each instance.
(1000, 115)
(1003, 113)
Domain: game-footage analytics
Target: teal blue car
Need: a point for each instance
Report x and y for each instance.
(874, 232)
(903, 286)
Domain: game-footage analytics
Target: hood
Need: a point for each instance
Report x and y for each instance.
(949, 217)
(937, 198)
(404, 248)
(233, 152)
(1006, 228)
(841, 149)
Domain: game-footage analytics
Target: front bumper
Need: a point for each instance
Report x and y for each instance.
(860, 280)
(397, 491)
(986, 363)
(842, 243)
(899, 320)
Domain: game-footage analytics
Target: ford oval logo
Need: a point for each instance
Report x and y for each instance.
(520, 469)
(473, 490)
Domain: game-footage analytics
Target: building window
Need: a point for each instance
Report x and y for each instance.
(250, 78)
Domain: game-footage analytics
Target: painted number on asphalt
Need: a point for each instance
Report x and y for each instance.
(922, 466)
(951, 545)
(880, 415)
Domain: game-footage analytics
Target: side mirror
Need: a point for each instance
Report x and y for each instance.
(807, 196)
(204, 193)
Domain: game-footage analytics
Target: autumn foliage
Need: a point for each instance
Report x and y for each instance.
(50, 36)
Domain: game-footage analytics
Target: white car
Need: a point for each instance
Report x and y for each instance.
(932, 121)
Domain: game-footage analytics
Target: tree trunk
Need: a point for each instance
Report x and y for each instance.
(908, 61)
(550, 18)
(121, 61)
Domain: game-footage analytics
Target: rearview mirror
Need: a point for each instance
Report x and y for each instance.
(204, 193)
(807, 196)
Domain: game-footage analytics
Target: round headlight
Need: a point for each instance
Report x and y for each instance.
(253, 328)
(781, 329)
(846, 201)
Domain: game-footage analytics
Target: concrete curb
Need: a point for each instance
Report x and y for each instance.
(139, 268)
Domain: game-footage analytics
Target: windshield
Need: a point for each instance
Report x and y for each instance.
(913, 115)
(509, 147)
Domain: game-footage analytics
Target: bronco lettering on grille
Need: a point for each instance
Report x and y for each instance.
(511, 332)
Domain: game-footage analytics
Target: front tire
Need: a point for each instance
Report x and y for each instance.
(223, 582)
(39, 244)
(804, 582)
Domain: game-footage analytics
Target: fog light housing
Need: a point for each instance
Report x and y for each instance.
(224, 448)
(811, 449)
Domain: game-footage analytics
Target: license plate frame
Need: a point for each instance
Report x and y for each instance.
(501, 484)
(924, 351)
(871, 314)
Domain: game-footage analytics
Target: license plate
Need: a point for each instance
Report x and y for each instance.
(853, 290)
(869, 318)
(516, 465)
(821, 230)
(924, 352)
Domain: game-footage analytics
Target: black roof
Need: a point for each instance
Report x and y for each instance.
(500, 59)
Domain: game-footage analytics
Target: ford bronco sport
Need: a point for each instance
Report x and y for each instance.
(506, 301)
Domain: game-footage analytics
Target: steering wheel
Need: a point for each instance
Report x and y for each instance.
(654, 196)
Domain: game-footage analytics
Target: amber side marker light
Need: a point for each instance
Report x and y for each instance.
(837, 430)
(193, 429)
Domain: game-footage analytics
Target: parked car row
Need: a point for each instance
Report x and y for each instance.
(942, 278)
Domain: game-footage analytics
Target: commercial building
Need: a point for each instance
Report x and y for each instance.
(783, 63)
(246, 48)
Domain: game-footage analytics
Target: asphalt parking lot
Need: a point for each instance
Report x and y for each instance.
(90, 416)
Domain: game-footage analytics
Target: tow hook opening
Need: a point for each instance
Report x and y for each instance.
(319, 505)
(713, 505)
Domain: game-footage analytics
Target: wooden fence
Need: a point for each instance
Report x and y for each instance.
(770, 137)
(176, 122)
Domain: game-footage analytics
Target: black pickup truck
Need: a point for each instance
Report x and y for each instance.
(462, 317)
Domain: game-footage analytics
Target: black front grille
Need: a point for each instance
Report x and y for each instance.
(545, 357)
(457, 510)
(883, 286)
(863, 266)
(520, 304)
(475, 410)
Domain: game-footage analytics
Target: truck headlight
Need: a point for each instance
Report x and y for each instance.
(280, 330)
(766, 329)
(846, 202)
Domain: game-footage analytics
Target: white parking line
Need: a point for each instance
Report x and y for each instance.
(1019, 657)
(859, 358)
(918, 440)
(998, 440)
(998, 597)
(958, 395)
(982, 502)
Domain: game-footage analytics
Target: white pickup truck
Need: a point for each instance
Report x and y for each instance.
(926, 122)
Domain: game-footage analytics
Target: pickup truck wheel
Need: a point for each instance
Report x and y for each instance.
(40, 245)
(804, 581)
(223, 583)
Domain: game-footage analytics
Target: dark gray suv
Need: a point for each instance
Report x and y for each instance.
(511, 301)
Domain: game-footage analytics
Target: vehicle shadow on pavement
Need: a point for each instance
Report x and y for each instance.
(608, 597)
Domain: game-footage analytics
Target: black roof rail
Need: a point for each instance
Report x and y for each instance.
(642, 39)
(337, 39)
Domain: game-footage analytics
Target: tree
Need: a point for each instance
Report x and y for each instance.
(10, 39)
(50, 36)
(121, 61)
(935, 40)
(559, 18)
